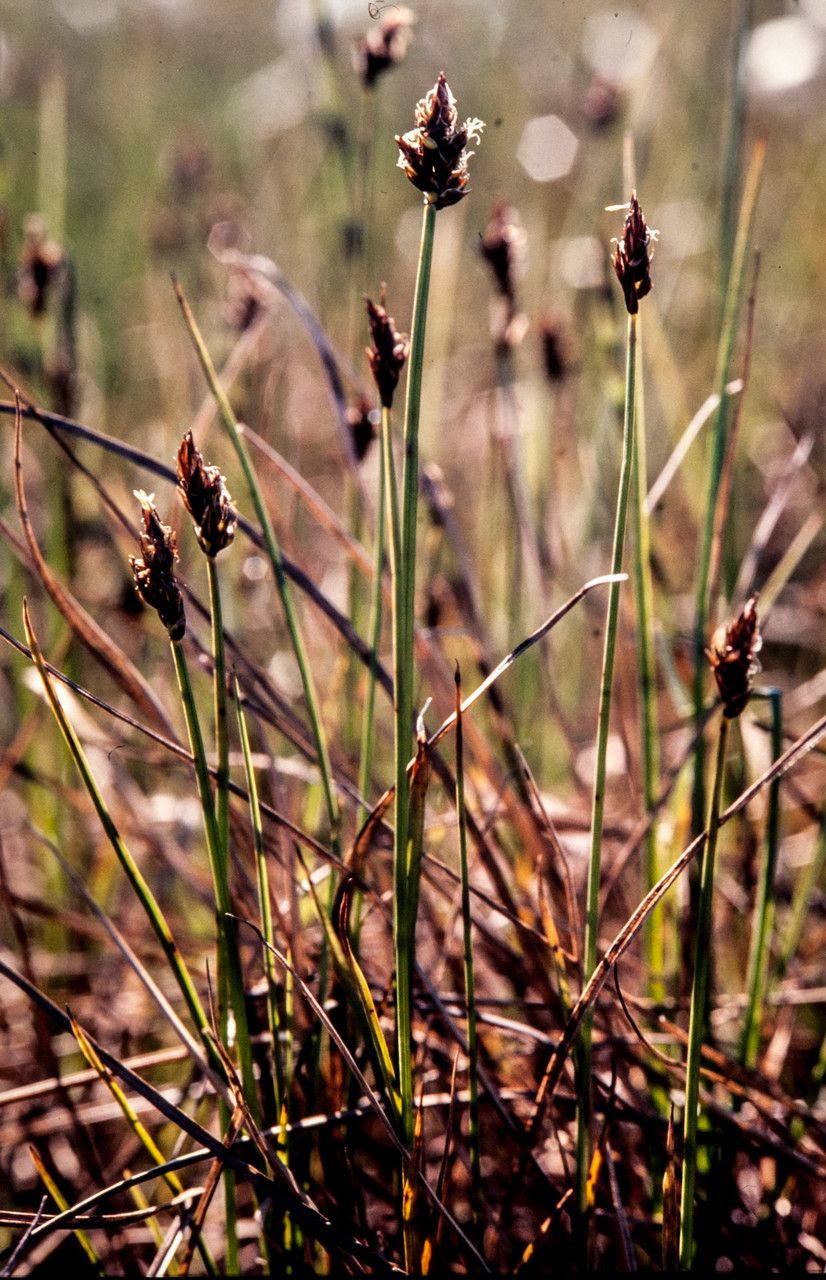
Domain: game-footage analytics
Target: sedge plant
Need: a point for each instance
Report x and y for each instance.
(731, 655)
(631, 262)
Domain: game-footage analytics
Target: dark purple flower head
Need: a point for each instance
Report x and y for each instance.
(631, 258)
(434, 153)
(152, 571)
(732, 656)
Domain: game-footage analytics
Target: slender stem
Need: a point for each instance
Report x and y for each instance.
(274, 552)
(589, 959)
(470, 986)
(644, 596)
(366, 756)
(725, 355)
(220, 708)
(699, 1000)
(403, 563)
(229, 960)
(758, 968)
(807, 882)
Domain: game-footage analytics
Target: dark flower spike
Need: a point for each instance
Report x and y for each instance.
(631, 258)
(206, 498)
(384, 46)
(732, 656)
(389, 351)
(434, 153)
(154, 580)
(502, 244)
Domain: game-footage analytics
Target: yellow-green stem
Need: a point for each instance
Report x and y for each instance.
(589, 959)
(699, 1000)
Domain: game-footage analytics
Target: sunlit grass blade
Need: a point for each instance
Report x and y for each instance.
(138, 883)
(63, 1204)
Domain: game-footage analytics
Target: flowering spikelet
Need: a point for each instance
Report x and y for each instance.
(631, 258)
(384, 46)
(434, 153)
(152, 571)
(732, 656)
(206, 498)
(389, 351)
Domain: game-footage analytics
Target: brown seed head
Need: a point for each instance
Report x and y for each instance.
(206, 498)
(361, 419)
(41, 263)
(154, 579)
(389, 351)
(732, 656)
(631, 258)
(502, 245)
(384, 46)
(434, 153)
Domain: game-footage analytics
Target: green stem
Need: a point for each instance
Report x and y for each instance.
(366, 755)
(229, 960)
(725, 356)
(589, 959)
(403, 561)
(274, 553)
(470, 986)
(807, 882)
(699, 1000)
(758, 968)
(644, 596)
(220, 708)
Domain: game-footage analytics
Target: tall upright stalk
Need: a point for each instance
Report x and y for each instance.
(758, 966)
(699, 999)
(228, 953)
(366, 754)
(654, 938)
(725, 355)
(470, 984)
(404, 586)
(589, 958)
(731, 656)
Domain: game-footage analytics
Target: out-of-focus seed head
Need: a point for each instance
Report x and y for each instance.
(206, 498)
(361, 419)
(502, 246)
(41, 263)
(152, 571)
(388, 352)
(384, 46)
(554, 335)
(732, 656)
(434, 153)
(632, 255)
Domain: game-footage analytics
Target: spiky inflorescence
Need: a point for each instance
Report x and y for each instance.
(384, 46)
(206, 498)
(502, 246)
(361, 419)
(732, 656)
(632, 255)
(389, 351)
(434, 153)
(155, 581)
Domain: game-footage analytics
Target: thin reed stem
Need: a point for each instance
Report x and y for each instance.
(758, 967)
(646, 665)
(725, 355)
(470, 985)
(366, 754)
(231, 978)
(404, 596)
(699, 1001)
(589, 959)
(220, 708)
